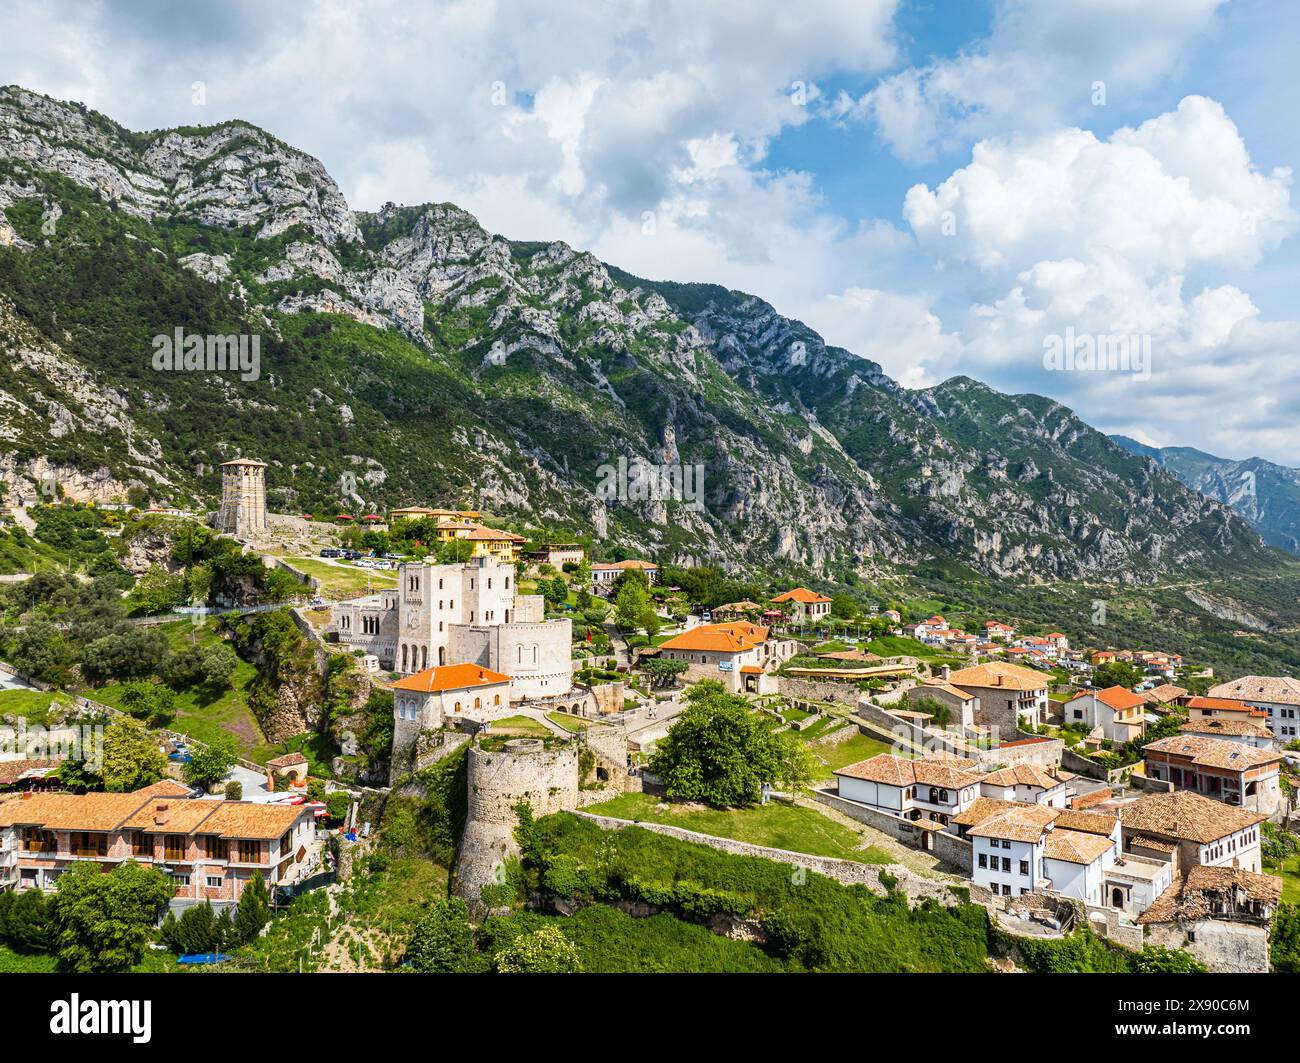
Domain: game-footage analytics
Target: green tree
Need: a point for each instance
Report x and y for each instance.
(1284, 942)
(157, 591)
(154, 704)
(25, 926)
(544, 951)
(630, 603)
(443, 942)
(254, 910)
(132, 758)
(661, 671)
(721, 752)
(1156, 959)
(650, 621)
(1116, 674)
(211, 762)
(844, 607)
(102, 922)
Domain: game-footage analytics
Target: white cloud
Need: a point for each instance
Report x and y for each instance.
(1069, 235)
(1039, 64)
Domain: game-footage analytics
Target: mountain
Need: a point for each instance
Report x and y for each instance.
(1267, 495)
(409, 356)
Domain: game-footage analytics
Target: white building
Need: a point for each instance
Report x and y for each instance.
(930, 790)
(1187, 829)
(805, 606)
(603, 574)
(1025, 783)
(1117, 711)
(1279, 696)
(462, 614)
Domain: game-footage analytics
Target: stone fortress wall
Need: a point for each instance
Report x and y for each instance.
(527, 770)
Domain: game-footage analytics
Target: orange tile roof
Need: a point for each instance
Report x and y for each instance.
(1223, 704)
(996, 674)
(1280, 690)
(752, 669)
(1025, 823)
(1087, 822)
(952, 772)
(801, 594)
(719, 638)
(1072, 847)
(1119, 698)
(242, 819)
(1093, 797)
(177, 817)
(450, 677)
(1022, 775)
(97, 812)
(1213, 752)
(1183, 814)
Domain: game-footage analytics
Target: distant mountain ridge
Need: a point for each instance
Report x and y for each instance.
(408, 355)
(1266, 494)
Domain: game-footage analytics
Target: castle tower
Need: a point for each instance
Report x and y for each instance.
(243, 497)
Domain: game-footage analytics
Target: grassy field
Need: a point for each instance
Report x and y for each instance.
(778, 825)
(1289, 873)
(569, 723)
(827, 757)
(201, 714)
(343, 580)
(154, 962)
(32, 705)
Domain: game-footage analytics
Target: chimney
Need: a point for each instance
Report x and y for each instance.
(944, 673)
(160, 813)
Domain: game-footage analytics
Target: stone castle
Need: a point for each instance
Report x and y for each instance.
(243, 498)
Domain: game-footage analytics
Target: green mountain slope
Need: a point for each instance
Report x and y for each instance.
(410, 356)
(1267, 495)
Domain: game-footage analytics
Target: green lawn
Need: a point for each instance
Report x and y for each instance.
(198, 712)
(778, 825)
(828, 757)
(1289, 873)
(154, 962)
(343, 581)
(523, 726)
(569, 723)
(31, 705)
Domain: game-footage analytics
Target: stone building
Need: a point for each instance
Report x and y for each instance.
(243, 497)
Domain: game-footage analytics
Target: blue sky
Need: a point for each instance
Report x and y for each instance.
(937, 186)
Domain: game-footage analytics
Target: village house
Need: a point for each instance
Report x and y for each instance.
(603, 574)
(1215, 911)
(501, 546)
(963, 705)
(1249, 731)
(739, 654)
(1007, 693)
(1200, 708)
(1019, 848)
(210, 849)
(927, 792)
(1166, 694)
(557, 555)
(806, 607)
(1187, 829)
(1277, 696)
(1226, 771)
(1025, 784)
(424, 701)
(1117, 711)
(994, 629)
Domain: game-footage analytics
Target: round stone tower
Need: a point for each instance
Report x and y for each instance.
(527, 770)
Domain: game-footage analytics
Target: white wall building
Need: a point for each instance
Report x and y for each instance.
(1279, 696)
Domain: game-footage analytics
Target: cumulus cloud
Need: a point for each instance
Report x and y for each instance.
(1079, 239)
(1041, 62)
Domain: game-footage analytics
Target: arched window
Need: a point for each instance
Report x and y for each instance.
(496, 700)
(458, 706)
(478, 703)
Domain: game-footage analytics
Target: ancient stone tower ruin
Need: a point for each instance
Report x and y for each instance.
(526, 770)
(243, 497)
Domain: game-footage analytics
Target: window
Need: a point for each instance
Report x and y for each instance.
(180, 880)
(174, 847)
(215, 848)
(1006, 864)
(984, 860)
(36, 840)
(86, 843)
(141, 844)
(250, 852)
(213, 882)
(1024, 867)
